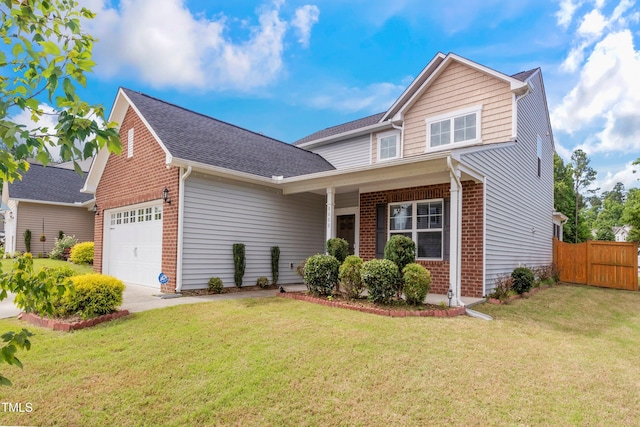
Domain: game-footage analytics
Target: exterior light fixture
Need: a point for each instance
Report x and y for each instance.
(165, 196)
(449, 295)
(95, 209)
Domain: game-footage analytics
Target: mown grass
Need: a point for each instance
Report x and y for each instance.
(38, 263)
(567, 356)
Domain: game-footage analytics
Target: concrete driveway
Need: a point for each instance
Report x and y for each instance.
(141, 298)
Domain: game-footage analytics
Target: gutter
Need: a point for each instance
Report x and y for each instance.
(183, 178)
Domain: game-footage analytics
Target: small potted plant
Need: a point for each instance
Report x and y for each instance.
(43, 238)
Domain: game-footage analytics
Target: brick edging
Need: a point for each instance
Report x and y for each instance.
(61, 325)
(457, 311)
(514, 297)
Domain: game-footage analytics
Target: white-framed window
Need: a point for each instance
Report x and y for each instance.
(157, 212)
(389, 145)
(539, 156)
(422, 221)
(130, 143)
(457, 128)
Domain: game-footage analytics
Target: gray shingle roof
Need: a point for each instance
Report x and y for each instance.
(195, 137)
(524, 75)
(345, 127)
(49, 184)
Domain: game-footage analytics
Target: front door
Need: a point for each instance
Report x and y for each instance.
(347, 230)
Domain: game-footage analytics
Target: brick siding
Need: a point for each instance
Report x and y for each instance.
(472, 223)
(140, 179)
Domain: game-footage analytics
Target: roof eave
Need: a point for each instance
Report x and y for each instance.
(48, 202)
(343, 135)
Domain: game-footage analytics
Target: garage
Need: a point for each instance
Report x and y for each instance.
(134, 238)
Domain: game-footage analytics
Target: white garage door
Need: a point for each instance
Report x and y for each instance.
(135, 245)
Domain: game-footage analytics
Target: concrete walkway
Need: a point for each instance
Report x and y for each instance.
(141, 298)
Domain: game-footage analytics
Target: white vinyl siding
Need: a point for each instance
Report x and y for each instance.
(519, 204)
(348, 153)
(219, 213)
(347, 200)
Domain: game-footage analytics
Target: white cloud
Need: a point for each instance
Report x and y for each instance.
(374, 98)
(48, 120)
(607, 94)
(567, 9)
(623, 174)
(163, 43)
(593, 24)
(305, 18)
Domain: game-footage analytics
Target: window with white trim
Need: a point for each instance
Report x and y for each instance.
(388, 145)
(539, 156)
(130, 143)
(461, 127)
(422, 221)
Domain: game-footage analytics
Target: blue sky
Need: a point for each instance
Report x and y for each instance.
(290, 68)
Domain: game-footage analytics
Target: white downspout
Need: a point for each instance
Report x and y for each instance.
(183, 178)
(401, 129)
(455, 267)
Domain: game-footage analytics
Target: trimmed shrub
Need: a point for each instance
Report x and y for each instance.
(417, 280)
(60, 234)
(522, 280)
(82, 253)
(321, 274)
(502, 287)
(215, 285)
(61, 244)
(275, 264)
(92, 295)
(239, 263)
(300, 268)
(401, 250)
(339, 248)
(27, 240)
(381, 277)
(349, 275)
(263, 282)
(60, 273)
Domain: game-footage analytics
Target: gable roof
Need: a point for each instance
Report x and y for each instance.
(345, 127)
(194, 137)
(49, 184)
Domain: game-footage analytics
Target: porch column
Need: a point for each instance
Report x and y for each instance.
(330, 231)
(455, 243)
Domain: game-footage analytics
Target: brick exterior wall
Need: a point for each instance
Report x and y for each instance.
(139, 179)
(472, 223)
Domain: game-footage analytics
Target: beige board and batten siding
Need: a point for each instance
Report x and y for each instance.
(219, 213)
(347, 153)
(74, 221)
(519, 204)
(458, 87)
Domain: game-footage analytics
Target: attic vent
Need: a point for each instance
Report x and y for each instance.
(130, 143)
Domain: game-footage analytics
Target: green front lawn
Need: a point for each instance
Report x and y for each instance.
(567, 356)
(38, 263)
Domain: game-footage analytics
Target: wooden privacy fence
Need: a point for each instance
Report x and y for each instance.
(598, 263)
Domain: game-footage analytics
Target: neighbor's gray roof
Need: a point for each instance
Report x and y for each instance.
(370, 120)
(49, 184)
(345, 127)
(195, 137)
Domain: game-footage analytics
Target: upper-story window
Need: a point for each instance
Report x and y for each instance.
(460, 127)
(388, 145)
(539, 156)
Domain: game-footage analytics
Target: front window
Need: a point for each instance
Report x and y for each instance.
(422, 222)
(388, 146)
(461, 127)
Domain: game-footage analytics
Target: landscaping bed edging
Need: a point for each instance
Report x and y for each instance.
(451, 312)
(66, 326)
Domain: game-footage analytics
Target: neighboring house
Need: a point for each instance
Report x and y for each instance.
(47, 198)
(559, 220)
(462, 163)
(621, 233)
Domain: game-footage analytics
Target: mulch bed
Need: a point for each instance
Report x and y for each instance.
(227, 290)
(70, 324)
(365, 306)
(514, 297)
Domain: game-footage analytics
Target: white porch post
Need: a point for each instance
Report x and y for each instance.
(330, 231)
(455, 243)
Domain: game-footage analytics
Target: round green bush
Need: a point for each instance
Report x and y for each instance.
(338, 248)
(417, 280)
(321, 274)
(91, 295)
(215, 285)
(82, 253)
(381, 277)
(263, 282)
(60, 273)
(401, 250)
(349, 275)
(522, 280)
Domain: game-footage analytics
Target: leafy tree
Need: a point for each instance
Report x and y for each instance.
(564, 196)
(45, 56)
(631, 215)
(605, 233)
(583, 175)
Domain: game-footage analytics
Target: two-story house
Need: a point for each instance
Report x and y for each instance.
(462, 163)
